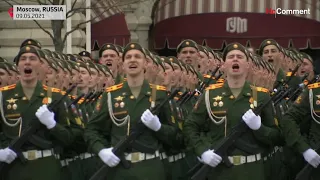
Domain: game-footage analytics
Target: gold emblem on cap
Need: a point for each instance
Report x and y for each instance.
(235, 46)
(171, 59)
(27, 48)
(187, 43)
(108, 45)
(268, 42)
(132, 45)
(29, 42)
(84, 53)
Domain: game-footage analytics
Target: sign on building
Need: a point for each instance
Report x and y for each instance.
(237, 25)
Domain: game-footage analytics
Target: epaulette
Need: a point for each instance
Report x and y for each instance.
(261, 89)
(158, 87)
(180, 93)
(52, 89)
(114, 88)
(208, 76)
(5, 88)
(215, 86)
(315, 85)
(220, 81)
(289, 74)
(305, 82)
(81, 101)
(63, 92)
(176, 98)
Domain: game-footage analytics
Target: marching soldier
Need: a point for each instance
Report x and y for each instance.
(122, 106)
(228, 104)
(86, 56)
(54, 133)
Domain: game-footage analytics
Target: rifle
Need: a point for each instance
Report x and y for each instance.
(121, 146)
(75, 101)
(17, 143)
(307, 169)
(88, 97)
(295, 70)
(201, 170)
(298, 90)
(96, 96)
(202, 87)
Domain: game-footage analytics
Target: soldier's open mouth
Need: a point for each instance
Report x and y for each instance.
(270, 60)
(133, 66)
(27, 71)
(235, 66)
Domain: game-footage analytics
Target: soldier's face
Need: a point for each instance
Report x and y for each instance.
(75, 76)
(134, 63)
(43, 70)
(94, 77)
(177, 74)
(149, 66)
(4, 78)
(110, 58)
(204, 62)
(51, 77)
(168, 79)
(306, 67)
(270, 53)
(189, 55)
(109, 81)
(67, 79)
(29, 65)
(236, 63)
(85, 78)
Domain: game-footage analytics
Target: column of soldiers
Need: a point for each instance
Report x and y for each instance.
(180, 110)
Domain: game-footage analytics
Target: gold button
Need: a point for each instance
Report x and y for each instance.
(24, 98)
(131, 97)
(231, 97)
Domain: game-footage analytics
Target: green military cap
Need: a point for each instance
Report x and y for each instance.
(219, 55)
(132, 46)
(105, 70)
(67, 66)
(107, 46)
(4, 66)
(203, 49)
(52, 64)
(59, 63)
(43, 55)
(85, 54)
(92, 65)
(306, 56)
(78, 58)
(84, 65)
(268, 42)
(73, 65)
(166, 60)
(234, 46)
(159, 61)
(187, 43)
(48, 52)
(71, 57)
(3, 59)
(27, 49)
(30, 42)
(12, 67)
(60, 54)
(174, 60)
(56, 55)
(119, 48)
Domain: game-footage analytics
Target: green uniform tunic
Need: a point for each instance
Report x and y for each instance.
(102, 129)
(305, 108)
(15, 105)
(204, 131)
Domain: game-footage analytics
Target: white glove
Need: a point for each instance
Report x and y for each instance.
(46, 117)
(150, 120)
(7, 155)
(312, 157)
(211, 158)
(107, 156)
(253, 121)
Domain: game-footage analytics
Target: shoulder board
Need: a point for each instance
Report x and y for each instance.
(81, 101)
(261, 89)
(158, 87)
(220, 80)
(215, 86)
(305, 82)
(114, 88)
(5, 88)
(289, 73)
(180, 93)
(207, 76)
(63, 93)
(315, 85)
(56, 90)
(176, 98)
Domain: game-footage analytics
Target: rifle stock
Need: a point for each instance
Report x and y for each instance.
(121, 146)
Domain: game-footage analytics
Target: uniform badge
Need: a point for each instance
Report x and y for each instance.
(298, 100)
(24, 98)
(98, 106)
(9, 106)
(14, 106)
(116, 105)
(220, 104)
(215, 104)
(122, 104)
(318, 102)
(12, 101)
(232, 97)
(217, 98)
(131, 97)
(119, 98)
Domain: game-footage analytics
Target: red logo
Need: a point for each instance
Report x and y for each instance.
(270, 11)
(10, 11)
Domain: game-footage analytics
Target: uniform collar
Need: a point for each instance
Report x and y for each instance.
(38, 91)
(246, 90)
(145, 88)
